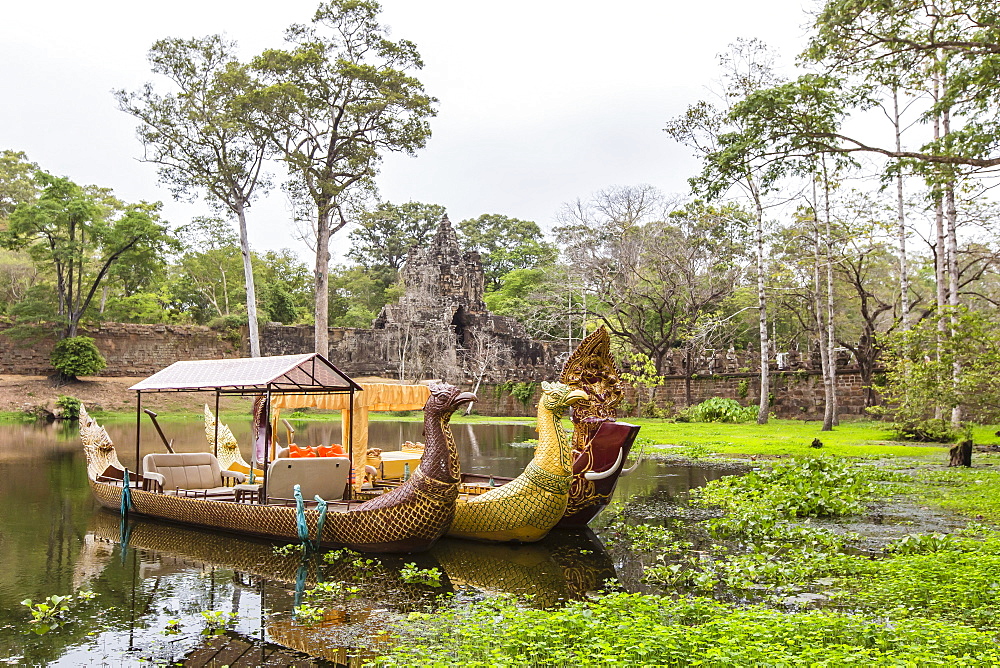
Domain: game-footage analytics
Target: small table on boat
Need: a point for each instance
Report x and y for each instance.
(394, 463)
(247, 493)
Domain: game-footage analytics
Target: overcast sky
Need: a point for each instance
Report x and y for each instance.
(541, 101)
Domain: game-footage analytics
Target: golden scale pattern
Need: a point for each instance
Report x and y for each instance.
(527, 507)
(409, 518)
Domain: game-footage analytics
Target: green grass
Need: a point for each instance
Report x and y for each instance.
(862, 438)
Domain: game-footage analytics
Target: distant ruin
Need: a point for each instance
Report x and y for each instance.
(440, 328)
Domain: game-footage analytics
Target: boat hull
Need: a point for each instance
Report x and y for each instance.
(410, 526)
(587, 498)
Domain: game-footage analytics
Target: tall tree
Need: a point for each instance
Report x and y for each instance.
(80, 236)
(199, 138)
(387, 232)
(657, 279)
(732, 155)
(331, 104)
(17, 182)
(505, 244)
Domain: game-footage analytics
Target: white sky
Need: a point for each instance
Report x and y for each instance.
(541, 102)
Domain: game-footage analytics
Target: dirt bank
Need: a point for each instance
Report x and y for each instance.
(23, 393)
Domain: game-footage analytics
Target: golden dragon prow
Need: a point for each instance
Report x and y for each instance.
(527, 507)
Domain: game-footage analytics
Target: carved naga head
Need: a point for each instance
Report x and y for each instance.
(445, 399)
(557, 397)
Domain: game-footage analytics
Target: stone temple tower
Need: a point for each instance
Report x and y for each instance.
(443, 285)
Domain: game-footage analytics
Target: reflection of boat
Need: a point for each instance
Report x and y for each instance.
(564, 566)
(526, 508)
(406, 519)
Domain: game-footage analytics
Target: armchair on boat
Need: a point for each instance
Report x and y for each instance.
(325, 477)
(187, 473)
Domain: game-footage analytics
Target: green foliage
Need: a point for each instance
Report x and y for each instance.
(524, 392)
(386, 233)
(289, 549)
(718, 409)
(51, 613)
(821, 487)
(635, 629)
(216, 621)
(69, 407)
(921, 543)
(505, 244)
(425, 576)
(919, 364)
(743, 388)
(308, 614)
(83, 236)
(77, 356)
(930, 430)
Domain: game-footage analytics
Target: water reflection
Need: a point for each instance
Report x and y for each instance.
(54, 540)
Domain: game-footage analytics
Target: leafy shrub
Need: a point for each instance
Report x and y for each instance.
(718, 409)
(523, 392)
(77, 356)
(934, 430)
(69, 407)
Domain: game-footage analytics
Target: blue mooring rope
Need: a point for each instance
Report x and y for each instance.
(300, 512)
(126, 495)
(321, 507)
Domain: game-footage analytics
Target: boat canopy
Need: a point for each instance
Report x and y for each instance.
(300, 374)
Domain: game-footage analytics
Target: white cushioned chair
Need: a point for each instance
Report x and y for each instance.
(198, 471)
(325, 477)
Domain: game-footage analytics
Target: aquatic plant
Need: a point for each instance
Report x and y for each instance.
(309, 614)
(426, 576)
(51, 613)
(634, 629)
(216, 621)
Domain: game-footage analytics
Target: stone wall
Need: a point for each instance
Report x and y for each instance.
(141, 350)
(797, 395)
(130, 350)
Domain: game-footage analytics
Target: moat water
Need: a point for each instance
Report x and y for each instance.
(153, 581)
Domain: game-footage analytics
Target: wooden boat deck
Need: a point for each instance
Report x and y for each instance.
(234, 650)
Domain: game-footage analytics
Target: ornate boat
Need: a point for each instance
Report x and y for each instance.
(600, 445)
(409, 518)
(527, 507)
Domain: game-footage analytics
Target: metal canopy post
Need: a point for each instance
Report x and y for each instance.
(138, 430)
(350, 443)
(268, 435)
(216, 423)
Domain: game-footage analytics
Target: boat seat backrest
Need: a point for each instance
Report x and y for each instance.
(325, 477)
(185, 470)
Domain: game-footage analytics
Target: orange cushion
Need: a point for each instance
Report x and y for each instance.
(332, 450)
(296, 451)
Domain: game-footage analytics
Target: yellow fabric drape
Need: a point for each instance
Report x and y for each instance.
(373, 397)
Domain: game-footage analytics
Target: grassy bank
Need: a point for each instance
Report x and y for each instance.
(775, 574)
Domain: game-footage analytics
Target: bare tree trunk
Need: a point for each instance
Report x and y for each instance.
(940, 259)
(248, 277)
(831, 340)
(904, 280)
(951, 218)
(824, 353)
(765, 378)
(322, 283)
